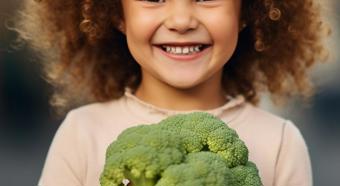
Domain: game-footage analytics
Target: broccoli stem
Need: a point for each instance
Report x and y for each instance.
(140, 181)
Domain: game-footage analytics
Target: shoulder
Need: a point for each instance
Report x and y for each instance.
(93, 116)
(101, 119)
(97, 112)
(262, 118)
(269, 125)
(265, 128)
(271, 139)
(96, 109)
(256, 118)
(259, 115)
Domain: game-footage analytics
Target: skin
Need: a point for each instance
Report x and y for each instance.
(179, 85)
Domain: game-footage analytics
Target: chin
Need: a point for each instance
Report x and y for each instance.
(183, 84)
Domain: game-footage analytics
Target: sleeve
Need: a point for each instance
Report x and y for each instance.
(65, 162)
(293, 166)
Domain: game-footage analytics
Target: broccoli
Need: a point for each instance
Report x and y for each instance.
(195, 149)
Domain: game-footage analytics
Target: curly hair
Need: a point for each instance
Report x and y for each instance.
(86, 57)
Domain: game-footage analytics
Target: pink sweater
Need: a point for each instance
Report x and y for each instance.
(77, 154)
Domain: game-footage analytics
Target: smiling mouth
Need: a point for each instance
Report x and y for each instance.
(184, 53)
(183, 50)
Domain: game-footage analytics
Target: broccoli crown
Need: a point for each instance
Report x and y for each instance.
(195, 149)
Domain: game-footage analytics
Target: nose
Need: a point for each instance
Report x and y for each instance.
(181, 18)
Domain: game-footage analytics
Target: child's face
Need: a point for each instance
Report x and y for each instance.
(150, 23)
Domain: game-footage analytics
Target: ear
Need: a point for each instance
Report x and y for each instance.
(121, 27)
(242, 26)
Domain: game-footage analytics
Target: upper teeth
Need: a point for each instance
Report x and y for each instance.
(182, 50)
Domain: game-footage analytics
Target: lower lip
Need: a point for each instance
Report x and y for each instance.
(189, 57)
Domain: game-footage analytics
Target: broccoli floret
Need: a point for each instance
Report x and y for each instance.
(203, 131)
(185, 149)
(199, 169)
(141, 153)
(246, 175)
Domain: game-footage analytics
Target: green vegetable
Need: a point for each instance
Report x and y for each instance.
(195, 149)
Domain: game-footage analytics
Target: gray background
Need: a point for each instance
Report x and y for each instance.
(27, 125)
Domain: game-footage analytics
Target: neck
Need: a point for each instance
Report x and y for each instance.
(205, 96)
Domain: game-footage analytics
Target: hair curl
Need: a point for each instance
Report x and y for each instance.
(86, 57)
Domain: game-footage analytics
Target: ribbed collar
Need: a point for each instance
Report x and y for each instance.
(152, 113)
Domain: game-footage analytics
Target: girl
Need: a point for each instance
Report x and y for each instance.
(139, 61)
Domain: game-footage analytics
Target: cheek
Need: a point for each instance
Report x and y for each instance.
(226, 35)
(141, 26)
(223, 26)
(139, 32)
(224, 30)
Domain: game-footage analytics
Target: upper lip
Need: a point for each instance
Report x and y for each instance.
(183, 43)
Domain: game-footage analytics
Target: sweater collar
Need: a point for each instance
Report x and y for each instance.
(140, 107)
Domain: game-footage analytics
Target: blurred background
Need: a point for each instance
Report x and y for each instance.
(27, 123)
